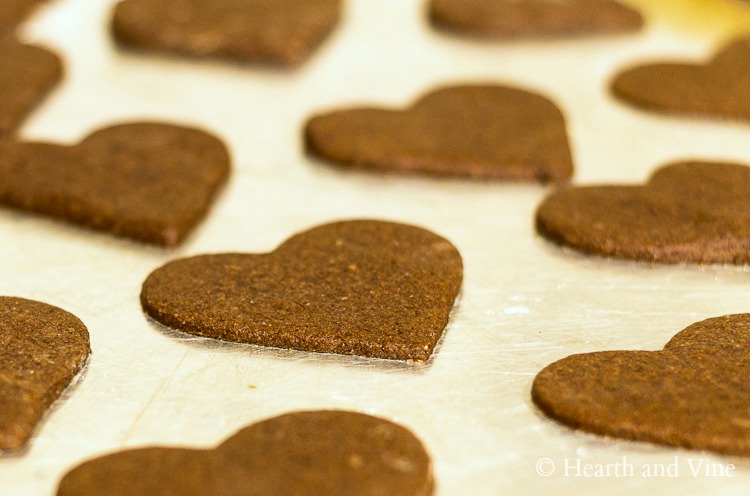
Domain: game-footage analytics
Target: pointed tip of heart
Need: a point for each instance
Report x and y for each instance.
(36, 72)
(44, 350)
(13, 439)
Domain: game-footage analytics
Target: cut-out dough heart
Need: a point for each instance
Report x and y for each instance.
(27, 75)
(280, 31)
(476, 131)
(366, 288)
(534, 18)
(318, 453)
(146, 181)
(42, 349)
(688, 212)
(693, 394)
(718, 89)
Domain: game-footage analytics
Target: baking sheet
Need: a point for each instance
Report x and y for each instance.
(524, 303)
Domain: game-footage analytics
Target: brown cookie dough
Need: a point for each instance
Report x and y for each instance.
(368, 288)
(317, 453)
(534, 18)
(147, 181)
(688, 212)
(717, 89)
(27, 75)
(14, 12)
(277, 31)
(692, 394)
(473, 131)
(42, 349)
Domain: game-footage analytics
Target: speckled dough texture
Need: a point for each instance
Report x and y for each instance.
(27, 74)
(483, 131)
(717, 89)
(275, 31)
(688, 212)
(317, 453)
(147, 181)
(692, 394)
(534, 18)
(367, 288)
(13, 12)
(42, 349)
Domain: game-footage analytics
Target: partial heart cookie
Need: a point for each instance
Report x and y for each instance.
(146, 181)
(14, 12)
(509, 19)
(42, 349)
(693, 394)
(277, 31)
(688, 212)
(716, 89)
(317, 453)
(472, 131)
(27, 75)
(367, 288)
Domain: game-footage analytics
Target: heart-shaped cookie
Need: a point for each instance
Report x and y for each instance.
(534, 18)
(474, 131)
(694, 393)
(146, 181)
(279, 31)
(42, 349)
(318, 453)
(688, 212)
(716, 89)
(367, 288)
(27, 74)
(13, 12)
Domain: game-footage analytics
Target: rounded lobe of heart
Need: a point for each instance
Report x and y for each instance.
(689, 212)
(281, 31)
(147, 181)
(693, 394)
(717, 89)
(315, 453)
(473, 131)
(366, 288)
(42, 349)
(27, 74)
(534, 18)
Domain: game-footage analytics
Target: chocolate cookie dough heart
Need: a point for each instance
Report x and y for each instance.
(146, 181)
(693, 394)
(529, 18)
(27, 74)
(476, 131)
(718, 89)
(367, 288)
(318, 453)
(42, 349)
(13, 12)
(280, 31)
(688, 212)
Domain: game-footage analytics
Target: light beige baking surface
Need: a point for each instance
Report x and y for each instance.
(524, 303)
